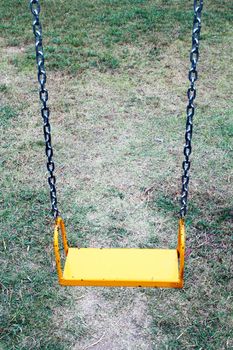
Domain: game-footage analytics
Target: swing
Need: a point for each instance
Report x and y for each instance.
(119, 267)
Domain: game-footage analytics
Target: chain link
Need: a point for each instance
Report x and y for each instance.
(191, 93)
(43, 93)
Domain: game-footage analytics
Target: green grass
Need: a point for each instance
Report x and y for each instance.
(4, 88)
(99, 31)
(26, 293)
(7, 113)
(117, 79)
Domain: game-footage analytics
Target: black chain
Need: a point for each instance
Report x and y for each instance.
(37, 30)
(194, 55)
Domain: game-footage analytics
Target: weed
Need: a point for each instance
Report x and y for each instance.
(7, 113)
(4, 88)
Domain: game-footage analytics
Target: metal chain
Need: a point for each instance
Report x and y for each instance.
(191, 93)
(43, 93)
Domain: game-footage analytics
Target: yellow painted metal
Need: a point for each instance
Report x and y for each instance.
(123, 267)
(181, 250)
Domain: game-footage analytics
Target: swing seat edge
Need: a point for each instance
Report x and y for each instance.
(120, 267)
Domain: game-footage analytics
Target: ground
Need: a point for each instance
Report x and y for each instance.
(117, 81)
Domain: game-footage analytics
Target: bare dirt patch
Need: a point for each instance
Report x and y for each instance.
(119, 322)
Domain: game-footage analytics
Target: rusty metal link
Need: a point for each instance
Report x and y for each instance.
(191, 93)
(43, 93)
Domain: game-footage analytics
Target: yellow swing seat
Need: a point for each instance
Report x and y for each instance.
(120, 267)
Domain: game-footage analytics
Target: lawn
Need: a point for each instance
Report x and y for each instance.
(117, 80)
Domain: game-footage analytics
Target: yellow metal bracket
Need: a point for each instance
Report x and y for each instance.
(126, 267)
(60, 227)
(181, 250)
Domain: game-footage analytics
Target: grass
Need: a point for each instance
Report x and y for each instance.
(6, 114)
(4, 88)
(117, 111)
(100, 32)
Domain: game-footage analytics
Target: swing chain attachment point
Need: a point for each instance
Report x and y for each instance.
(43, 93)
(191, 93)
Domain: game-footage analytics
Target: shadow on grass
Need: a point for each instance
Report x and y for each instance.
(207, 277)
(29, 290)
